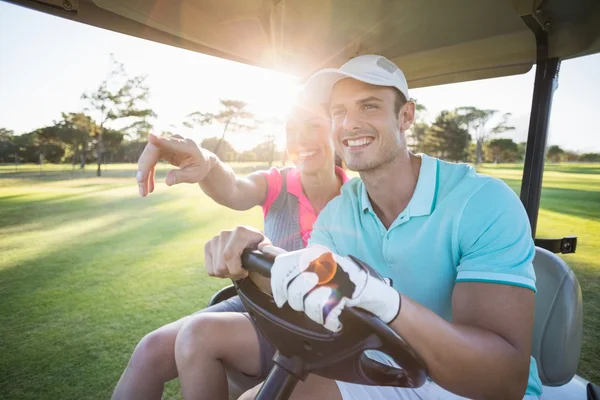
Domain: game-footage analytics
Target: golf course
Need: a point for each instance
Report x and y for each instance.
(87, 267)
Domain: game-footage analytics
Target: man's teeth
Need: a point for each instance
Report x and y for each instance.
(307, 153)
(359, 142)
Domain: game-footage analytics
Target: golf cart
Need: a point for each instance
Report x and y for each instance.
(434, 43)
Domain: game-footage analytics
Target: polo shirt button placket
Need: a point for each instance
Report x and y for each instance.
(386, 249)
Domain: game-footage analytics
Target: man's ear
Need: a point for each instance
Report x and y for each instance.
(406, 116)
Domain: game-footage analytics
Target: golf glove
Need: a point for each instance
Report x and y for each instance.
(320, 283)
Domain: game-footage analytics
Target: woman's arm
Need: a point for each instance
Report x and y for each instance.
(198, 165)
(224, 187)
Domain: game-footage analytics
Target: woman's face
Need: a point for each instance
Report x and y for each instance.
(309, 141)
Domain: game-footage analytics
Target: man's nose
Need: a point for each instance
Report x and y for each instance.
(352, 121)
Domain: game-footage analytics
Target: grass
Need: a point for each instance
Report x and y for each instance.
(87, 268)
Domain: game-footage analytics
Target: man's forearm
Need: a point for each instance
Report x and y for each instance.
(465, 360)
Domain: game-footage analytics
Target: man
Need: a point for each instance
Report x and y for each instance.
(457, 246)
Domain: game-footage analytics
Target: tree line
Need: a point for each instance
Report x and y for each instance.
(113, 126)
(116, 119)
(466, 134)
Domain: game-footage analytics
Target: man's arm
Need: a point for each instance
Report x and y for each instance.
(484, 352)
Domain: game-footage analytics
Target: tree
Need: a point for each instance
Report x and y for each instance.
(119, 97)
(6, 134)
(247, 156)
(74, 131)
(138, 130)
(130, 151)
(225, 150)
(112, 142)
(233, 116)
(521, 148)
(554, 153)
(471, 153)
(590, 157)
(267, 151)
(420, 110)
(482, 124)
(416, 139)
(49, 145)
(501, 150)
(8, 149)
(417, 131)
(570, 156)
(446, 138)
(27, 147)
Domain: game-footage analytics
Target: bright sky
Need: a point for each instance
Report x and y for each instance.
(46, 63)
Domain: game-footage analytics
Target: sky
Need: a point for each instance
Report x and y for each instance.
(46, 63)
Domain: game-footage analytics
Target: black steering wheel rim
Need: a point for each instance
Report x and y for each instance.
(317, 346)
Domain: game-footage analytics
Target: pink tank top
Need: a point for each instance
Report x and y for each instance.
(306, 214)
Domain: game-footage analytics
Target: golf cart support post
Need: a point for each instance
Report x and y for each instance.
(546, 82)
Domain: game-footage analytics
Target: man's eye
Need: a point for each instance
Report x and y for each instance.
(337, 113)
(369, 107)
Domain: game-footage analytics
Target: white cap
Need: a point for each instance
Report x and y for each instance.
(369, 68)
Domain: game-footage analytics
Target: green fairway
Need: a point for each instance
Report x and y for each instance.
(87, 267)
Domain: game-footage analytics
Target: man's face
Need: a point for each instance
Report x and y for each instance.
(365, 126)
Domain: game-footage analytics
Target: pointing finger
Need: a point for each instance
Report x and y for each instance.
(146, 162)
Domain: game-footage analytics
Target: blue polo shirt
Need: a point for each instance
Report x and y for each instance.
(459, 226)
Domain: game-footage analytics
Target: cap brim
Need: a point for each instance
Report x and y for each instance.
(319, 85)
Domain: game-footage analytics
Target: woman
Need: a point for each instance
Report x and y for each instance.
(291, 199)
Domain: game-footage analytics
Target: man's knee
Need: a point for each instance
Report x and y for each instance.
(198, 335)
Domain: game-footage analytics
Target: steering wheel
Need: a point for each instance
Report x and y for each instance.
(305, 347)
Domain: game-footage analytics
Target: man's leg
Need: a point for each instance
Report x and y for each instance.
(318, 388)
(314, 388)
(152, 363)
(206, 345)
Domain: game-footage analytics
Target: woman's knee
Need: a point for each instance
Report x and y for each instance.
(158, 346)
(198, 335)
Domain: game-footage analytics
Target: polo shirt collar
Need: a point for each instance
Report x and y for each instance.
(422, 201)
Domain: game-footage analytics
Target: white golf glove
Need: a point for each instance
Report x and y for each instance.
(320, 283)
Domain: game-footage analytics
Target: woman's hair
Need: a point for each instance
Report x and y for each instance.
(339, 162)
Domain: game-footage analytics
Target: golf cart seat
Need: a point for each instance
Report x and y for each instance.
(223, 294)
(558, 326)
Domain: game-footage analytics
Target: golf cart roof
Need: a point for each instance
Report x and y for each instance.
(433, 42)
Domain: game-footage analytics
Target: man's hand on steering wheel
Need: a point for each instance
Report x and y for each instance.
(320, 283)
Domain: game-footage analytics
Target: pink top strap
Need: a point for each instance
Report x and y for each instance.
(306, 212)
